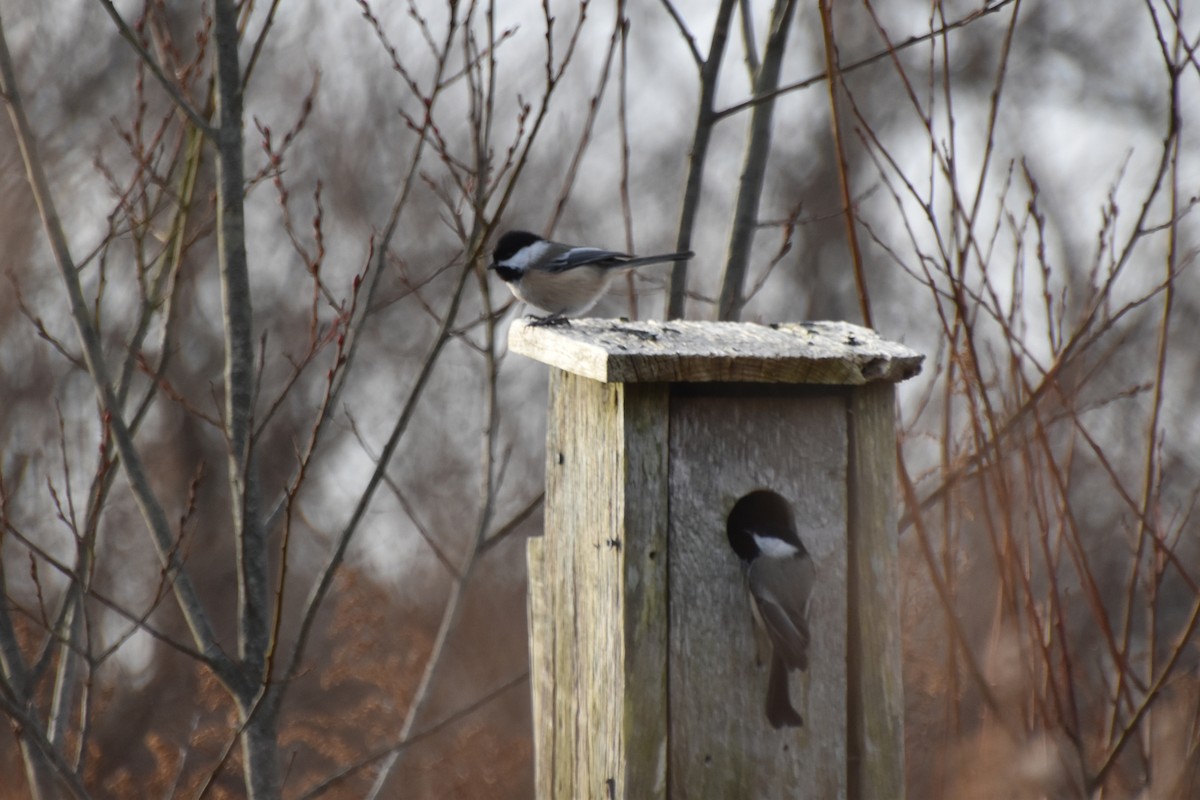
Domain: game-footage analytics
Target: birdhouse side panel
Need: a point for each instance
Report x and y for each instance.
(597, 588)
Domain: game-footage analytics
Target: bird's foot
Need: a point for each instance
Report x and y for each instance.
(548, 321)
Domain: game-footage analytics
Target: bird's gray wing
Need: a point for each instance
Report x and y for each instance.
(781, 589)
(572, 257)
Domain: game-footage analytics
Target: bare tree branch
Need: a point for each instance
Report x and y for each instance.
(181, 102)
(148, 503)
(754, 168)
(710, 71)
(404, 743)
(863, 62)
(835, 117)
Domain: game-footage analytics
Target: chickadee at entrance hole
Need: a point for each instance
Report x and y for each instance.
(780, 575)
(761, 512)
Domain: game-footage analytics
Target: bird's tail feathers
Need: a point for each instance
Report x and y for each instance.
(642, 261)
(779, 701)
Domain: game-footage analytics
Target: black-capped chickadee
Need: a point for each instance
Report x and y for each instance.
(780, 575)
(562, 279)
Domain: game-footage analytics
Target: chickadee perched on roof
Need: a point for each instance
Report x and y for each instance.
(780, 576)
(562, 279)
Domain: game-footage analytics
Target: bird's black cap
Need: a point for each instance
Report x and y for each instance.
(511, 242)
(763, 512)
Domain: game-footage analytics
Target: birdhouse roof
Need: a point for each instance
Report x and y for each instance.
(648, 351)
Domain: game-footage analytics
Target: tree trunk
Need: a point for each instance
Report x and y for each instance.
(260, 754)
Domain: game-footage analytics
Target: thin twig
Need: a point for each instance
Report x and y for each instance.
(862, 62)
(167, 84)
(402, 744)
(850, 215)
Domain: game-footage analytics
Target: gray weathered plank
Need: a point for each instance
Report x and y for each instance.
(601, 581)
(721, 743)
(541, 664)
(876, 691)
(680, 351)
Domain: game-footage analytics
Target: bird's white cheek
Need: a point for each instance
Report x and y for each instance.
(527, 256)
(772, 547)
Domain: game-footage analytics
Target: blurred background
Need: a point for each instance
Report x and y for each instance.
(1021, 178)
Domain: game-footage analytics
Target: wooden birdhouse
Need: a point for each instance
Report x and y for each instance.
(648, 671)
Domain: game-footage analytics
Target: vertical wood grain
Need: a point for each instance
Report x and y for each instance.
(541, 664)
(599, 593)
(645, 596)
(876, 696)
(721, 448)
